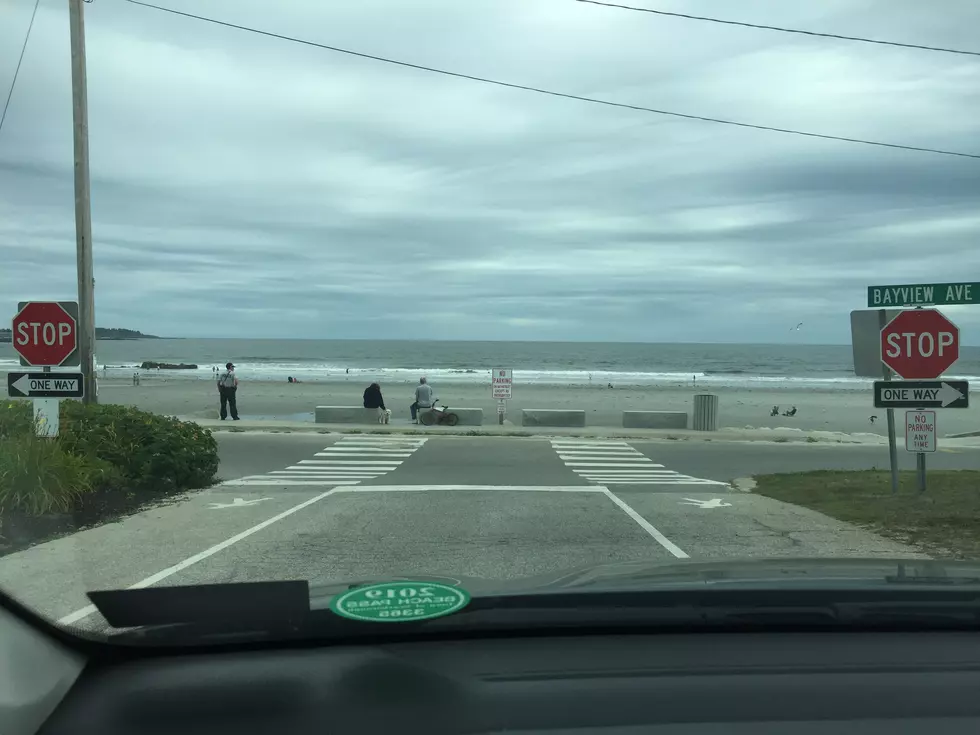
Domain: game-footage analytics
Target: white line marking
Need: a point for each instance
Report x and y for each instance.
(200, 556)
(346, 454)
(616, 469)
(517, 488)
(283, 482)
(645, 463)
(570, 445)
(573, 455)
(391, 464)
(645, 525)
(311, 475)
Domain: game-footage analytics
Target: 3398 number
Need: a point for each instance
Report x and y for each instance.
(397, 613)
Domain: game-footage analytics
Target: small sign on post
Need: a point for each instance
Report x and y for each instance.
(501, 388)
(920, 431)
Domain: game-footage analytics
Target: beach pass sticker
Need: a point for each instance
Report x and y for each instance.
(399, 602)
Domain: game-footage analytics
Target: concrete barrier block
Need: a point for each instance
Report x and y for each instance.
(654, 419)
(345, 415)
(552, 417)
(468, 416)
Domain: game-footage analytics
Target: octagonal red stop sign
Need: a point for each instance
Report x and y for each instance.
(920, 343)
(45, 334)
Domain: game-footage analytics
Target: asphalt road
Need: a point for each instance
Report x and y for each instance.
(326, 508)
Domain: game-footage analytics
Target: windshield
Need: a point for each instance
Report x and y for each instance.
(482, 299)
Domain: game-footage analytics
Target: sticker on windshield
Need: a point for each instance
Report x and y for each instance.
(399, 602)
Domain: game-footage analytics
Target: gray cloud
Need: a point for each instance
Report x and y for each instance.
(303, 193)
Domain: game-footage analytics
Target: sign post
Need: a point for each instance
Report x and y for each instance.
(923, 343)
(501, 387)
(886, 374)
(45, 335)
(920, 437)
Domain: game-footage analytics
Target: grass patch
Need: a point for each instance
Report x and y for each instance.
(944, 521)
(107, 461)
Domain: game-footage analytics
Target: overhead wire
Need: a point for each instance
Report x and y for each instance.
(552, 93)
(759, 26)
(20, 60)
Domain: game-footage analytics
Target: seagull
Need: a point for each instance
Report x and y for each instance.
(873, 419)
(796, 328)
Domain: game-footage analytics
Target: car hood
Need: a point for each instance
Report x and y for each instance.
(666, 575)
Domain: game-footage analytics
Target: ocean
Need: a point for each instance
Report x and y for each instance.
(545, 363)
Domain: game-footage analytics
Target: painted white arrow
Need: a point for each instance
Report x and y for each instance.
(713, 503)
(948, 394)
(237, 503)
(23, 384)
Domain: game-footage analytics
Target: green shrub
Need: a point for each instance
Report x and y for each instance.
(16, 418)
(151, 452)
(37, 476)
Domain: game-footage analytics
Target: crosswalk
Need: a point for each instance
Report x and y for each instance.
(348, 462)
(616, 462)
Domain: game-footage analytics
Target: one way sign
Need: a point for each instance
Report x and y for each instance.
(45, 385)
(922, 394)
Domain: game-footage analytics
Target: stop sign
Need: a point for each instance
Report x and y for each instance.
(45, 333)
(920, 343)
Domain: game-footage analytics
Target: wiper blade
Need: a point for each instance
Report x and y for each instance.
(243, 603)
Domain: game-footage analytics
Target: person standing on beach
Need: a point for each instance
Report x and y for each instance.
(227, 391)
(423, 398)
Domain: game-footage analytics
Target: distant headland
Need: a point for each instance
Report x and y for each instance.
(100, 333)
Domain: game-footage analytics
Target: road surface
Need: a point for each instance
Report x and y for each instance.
(329, 507)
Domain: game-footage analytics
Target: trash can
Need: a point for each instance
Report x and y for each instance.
(705, 412)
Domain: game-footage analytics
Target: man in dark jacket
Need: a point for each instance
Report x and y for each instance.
(373, 399)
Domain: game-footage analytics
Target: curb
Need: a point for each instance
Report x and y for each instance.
(744, 484)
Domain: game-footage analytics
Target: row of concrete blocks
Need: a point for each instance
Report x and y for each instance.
(556, 417)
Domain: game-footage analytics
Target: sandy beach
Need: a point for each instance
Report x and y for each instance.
(841, 411)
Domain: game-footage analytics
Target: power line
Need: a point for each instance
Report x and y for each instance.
(13, 82)
(785, 30)
(564, 95)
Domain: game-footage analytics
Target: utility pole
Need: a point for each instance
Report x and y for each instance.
(83, 205)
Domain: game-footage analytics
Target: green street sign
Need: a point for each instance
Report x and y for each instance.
(399, 602)
(924, 294)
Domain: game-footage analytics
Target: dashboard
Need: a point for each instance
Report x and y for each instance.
(760, 683)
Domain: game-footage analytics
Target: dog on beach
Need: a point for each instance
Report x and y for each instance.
(385, 416)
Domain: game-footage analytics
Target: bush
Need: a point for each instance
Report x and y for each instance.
(16, 418)
(151, 452)
(37, 476)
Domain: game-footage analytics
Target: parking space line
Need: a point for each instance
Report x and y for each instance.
(645, 525)
(202, 555)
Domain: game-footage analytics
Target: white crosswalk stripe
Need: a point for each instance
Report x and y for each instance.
(616, 462)
(348, 462)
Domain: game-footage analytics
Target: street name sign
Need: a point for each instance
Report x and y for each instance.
(920, 431)
(45, 385)
(920, 343)
(45, 333)
(922, 394)
(503, 383)
(924, 294)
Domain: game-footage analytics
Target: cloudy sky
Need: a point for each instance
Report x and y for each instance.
(244, 185)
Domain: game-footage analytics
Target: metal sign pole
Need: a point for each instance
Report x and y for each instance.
(886, 374)
(920, 467)
(500, 412)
